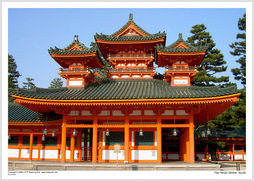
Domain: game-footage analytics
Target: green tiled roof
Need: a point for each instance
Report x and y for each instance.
(103, 75)
(130, 38)
(18, 113)
(65, 51)
(127, 89)
(171, 48)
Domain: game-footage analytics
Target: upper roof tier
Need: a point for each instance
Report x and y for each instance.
(77, 52)
(130, 33)
(180, 49)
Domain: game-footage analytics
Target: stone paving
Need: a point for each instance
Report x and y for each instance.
(56, 165)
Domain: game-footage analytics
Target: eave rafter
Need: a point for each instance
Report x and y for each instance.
(184, 101)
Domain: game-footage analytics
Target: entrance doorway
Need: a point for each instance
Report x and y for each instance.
(170, 145)
(86, 144)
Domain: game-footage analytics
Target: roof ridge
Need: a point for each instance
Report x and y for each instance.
(128, 22)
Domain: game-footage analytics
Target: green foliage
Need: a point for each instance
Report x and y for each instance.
(213, 61)
(239, 49)
(235, 116)
(13, 76)
(29, 85)
(56, 83)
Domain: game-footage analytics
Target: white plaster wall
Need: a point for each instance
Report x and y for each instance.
(143, 154)
(155, 138)
(86, 113)
(26, 130)
(103, 138)
(146, 76)
(117, 113)
(181, 112)
(173, 156)
(104, 113)
(24, 153)
(52, 154)
(224, 157)
(13, 153)
(134, 76)
(136, 113)
(73, 83)
(68, 154)
(149, 113)
(74, 113)
(132, 138)
(201, 156)
(168, 113)
(110, 155)
(75, 154)
(238, 157)
(245, 157)
(180, 81)
(35, 153)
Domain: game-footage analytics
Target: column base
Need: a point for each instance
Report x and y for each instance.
(126, 162)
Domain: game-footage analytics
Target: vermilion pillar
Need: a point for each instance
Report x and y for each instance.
(72, 147)
(63, 143)
(94, 155)
(191, 140)
(159, 140)
(79, 145)
(100, 145)
(126, 139)
(31, 147)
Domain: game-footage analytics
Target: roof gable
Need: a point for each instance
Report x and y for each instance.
(130, 29)
(180, 43)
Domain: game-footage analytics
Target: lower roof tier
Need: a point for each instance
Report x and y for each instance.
(127, 89)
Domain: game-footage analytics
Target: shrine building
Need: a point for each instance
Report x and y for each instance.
(112, 97)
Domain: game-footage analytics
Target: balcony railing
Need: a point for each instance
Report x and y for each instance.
(132, 69)
(130, 56)
(74, 70)
(181, 68)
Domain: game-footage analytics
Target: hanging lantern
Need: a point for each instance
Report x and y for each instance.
(9, 136)
(141, 132)
(43, 138)
(45, 132)
(53, 134)
(208, 131)
(203, 134)
(107, 132)
(74, 132)
(175, 132)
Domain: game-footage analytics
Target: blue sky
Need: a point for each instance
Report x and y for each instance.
(32, 31)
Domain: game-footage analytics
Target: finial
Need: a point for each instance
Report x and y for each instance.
(180, 36)
(76, 38)
(131, 17)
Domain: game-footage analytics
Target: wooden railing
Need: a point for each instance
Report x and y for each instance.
(74, 70)
(132, 69)
(129, 56)
(181, 68)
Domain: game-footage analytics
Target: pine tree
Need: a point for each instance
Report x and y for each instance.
(239, 49)
(56, 83)
(29, 85)
(13, 76)
(213, 61)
